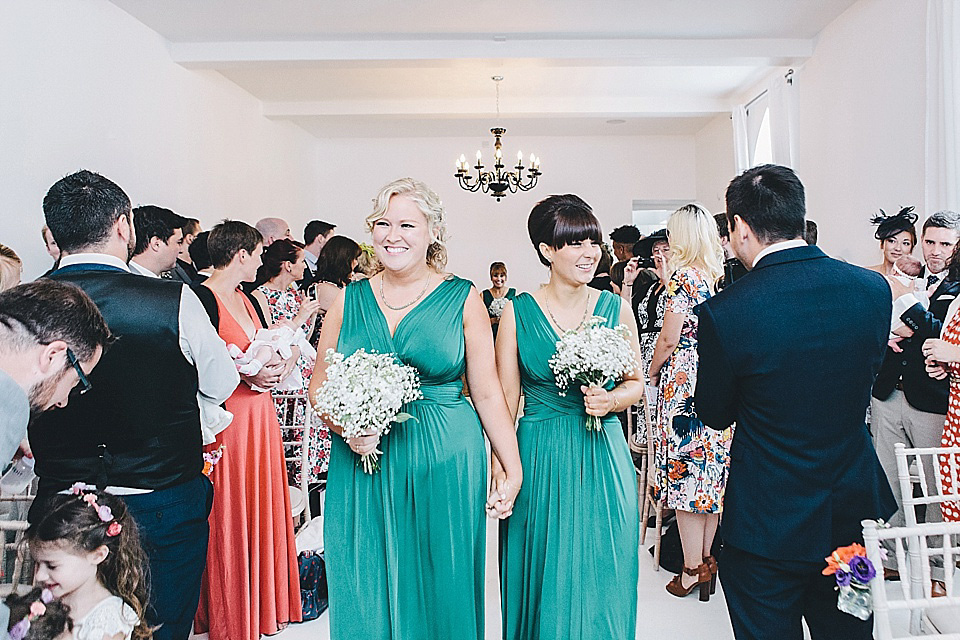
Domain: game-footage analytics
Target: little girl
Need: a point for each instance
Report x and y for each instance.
(88, 555)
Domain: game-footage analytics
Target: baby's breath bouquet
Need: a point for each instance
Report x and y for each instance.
(592, 355)
(497, 306)
(364, 393)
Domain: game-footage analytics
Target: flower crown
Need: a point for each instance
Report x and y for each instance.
(37, 609)
(104, 512)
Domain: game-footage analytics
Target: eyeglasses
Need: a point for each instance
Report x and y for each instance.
(84, 382)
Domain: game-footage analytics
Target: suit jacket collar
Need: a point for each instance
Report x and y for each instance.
(810, 252)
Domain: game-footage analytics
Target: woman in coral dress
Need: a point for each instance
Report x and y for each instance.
(251, 584)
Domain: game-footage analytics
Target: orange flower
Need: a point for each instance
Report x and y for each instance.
(682, 377)
(842, 556)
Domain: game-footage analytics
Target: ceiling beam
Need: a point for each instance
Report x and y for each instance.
(440, 51)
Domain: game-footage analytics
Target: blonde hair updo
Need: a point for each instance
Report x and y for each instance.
(429, 204)
(695, 242)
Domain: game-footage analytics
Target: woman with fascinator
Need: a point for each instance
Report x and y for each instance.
(897, 235)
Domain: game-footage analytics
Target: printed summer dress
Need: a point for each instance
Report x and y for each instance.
(951, 429)
(692, 462)
(285, 305)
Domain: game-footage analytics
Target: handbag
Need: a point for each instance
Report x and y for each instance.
(313, 584)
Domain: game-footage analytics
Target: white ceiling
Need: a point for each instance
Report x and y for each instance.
(382, 68)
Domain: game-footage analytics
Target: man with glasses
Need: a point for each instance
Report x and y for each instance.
(136, 433)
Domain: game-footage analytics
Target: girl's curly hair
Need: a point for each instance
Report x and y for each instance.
(71, 520)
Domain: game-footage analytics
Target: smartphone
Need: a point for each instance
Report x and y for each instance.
(312, 291)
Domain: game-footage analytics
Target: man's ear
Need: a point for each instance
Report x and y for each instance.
(52, 357)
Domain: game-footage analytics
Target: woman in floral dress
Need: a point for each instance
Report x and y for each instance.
(276, 291)
(692, 460)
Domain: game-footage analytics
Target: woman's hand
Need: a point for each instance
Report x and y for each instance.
(308, 308)
(897, 288)
(363, 445)
(598, 401)
(660, 266)
(630, 271)
(269, 376)
(940, 351)
(935, 369)
(503, 494)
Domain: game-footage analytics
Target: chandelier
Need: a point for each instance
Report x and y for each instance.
(499, 181)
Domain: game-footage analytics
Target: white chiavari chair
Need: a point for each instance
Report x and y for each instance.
(650, 484)
(295, 417)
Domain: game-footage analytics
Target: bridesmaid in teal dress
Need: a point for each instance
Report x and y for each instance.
(405, 545)
(569, 563)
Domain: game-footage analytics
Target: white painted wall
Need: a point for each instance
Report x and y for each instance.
(715, 163)
(860, 123)
(608, 172)
(84, 85)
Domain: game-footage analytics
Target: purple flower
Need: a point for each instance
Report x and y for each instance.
(843, 578)
(105, 513)
(19, 630)
(862, 569)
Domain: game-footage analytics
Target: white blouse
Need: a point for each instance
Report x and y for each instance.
(108, 617)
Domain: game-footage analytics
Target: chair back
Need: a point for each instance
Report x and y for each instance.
(937, 473)
(913, 595)
(296, 419)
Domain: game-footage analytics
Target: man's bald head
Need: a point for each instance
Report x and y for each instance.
(273, 229)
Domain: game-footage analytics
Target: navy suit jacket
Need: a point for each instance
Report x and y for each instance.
(789, 354)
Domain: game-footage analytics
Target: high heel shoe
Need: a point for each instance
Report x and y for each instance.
(675, 587)
(711, 563)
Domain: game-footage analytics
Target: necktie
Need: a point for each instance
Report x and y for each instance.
(931, 280)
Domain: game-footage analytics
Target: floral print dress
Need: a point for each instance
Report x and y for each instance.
(692, 459)
(649, 314)
(285, 305)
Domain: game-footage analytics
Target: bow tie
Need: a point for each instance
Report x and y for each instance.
(932, 280)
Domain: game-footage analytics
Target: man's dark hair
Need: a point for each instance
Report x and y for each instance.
(228, 238)
(81, 208)
(810, 233)
(191, 226)
(627, 234)
(151, 221)
(942, 220)
(316, 228)
(723, 227)
(199, 254)
(44, 311)
(770, 199)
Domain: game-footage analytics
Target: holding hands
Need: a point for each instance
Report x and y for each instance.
(938, 354)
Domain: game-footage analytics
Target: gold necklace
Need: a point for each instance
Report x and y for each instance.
(409, 304)
(586, 308)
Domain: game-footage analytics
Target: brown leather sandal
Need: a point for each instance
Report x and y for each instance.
(675, 587)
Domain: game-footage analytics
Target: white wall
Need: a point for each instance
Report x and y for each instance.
(715, 162)
(608, 172)
(84, 85)
(859, 140)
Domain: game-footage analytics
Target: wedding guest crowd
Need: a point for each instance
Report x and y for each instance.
(144, 339)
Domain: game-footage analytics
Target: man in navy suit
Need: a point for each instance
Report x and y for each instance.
(789, 354)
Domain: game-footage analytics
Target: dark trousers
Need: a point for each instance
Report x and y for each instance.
(174, 532)
(767, 599)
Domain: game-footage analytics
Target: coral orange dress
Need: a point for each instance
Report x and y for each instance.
(251, 583)
(951, 429)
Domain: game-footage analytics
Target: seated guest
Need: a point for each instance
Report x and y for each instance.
(51, 246)
(184, 271)
(251, 585)
(495, 298)
(11, 268)
(601, 278)
(339, 257)
(733, 269)
(159, 236)
(810, 234)
(897, 235)
(273, 229)
(275, 289)
(136, 430)
(315, 235)
(200, 257)
(647, 299)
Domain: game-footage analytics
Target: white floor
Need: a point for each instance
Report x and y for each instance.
(660, 615)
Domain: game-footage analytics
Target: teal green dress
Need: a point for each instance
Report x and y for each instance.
(405, 545)
(569, 563)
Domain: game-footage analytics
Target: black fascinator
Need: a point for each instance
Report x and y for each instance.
(889, 226)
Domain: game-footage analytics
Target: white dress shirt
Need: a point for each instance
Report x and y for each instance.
(311, 260)
(199, 342)
(140, 270)
(779, 246)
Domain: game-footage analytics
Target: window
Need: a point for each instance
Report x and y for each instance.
(651, 215)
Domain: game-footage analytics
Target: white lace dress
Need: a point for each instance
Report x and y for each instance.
(108, 617)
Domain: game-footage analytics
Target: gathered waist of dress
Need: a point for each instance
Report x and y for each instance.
(447, 393)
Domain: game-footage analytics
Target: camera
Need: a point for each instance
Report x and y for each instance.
(646, 263)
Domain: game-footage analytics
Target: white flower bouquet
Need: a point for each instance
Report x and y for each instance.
(496, 307)
(364, 393)
(592, 355)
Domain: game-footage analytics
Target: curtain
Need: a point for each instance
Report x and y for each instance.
(780, 95)
(943, 106)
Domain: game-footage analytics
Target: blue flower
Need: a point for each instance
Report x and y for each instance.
(862, 569)
(843, 578)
